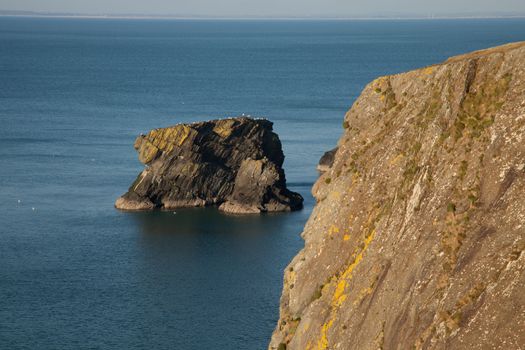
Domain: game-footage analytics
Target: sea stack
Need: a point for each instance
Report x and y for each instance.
(234, 163)
(417, 239)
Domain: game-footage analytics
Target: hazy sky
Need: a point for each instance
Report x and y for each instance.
(269, 7)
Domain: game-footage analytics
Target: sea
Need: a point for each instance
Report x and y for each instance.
(75, 273)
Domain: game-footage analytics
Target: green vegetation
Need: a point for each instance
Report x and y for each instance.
(416, 147)
(390, 98)
(411, 169)
(463, 169)
(444, 135)
(318, 292)
(479, 107)
(431, 109)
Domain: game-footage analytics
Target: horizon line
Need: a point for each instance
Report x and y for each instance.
(31, 14)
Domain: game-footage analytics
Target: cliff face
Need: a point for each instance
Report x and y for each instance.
(233, 163)
(417, 238)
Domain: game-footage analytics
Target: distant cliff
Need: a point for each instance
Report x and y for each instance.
(417, 238)
(233, 163)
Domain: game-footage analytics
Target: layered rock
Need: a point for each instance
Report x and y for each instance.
(417, 237)
(233, 163)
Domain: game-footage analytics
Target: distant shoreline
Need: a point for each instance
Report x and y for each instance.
(203, 18)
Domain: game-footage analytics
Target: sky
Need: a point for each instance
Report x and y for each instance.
(271, 8)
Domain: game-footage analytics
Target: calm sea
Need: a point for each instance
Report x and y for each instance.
(74, 93)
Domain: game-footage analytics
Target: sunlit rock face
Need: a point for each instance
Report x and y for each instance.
(417, 237)
(233, 163)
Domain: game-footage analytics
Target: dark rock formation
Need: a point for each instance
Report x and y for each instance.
(417, 239)
(233, 163)
(327, 160)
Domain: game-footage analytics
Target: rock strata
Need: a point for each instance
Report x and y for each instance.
(234, 163)
(417, 239)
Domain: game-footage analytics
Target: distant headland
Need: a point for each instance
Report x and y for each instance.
(335, 17)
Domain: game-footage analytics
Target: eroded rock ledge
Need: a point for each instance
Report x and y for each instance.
(233, 163)
(417, 239)
(327, 160)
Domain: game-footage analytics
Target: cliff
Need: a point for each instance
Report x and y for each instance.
(233, 163)
(417, 237)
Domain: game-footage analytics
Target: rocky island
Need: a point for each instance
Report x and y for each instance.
(417, 237)
(234, 163)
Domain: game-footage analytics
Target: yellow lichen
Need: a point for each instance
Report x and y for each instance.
(355, 177)
(147, 151)
(161, 140)
(182, 134)
(346, 237)
(292, 276)
(339, 297)
(224, 127)
(333, 229)
(322, 344)
(396, 159)
(428, 70)
(334, 195)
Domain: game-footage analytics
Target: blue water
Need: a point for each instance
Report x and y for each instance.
(74, 93)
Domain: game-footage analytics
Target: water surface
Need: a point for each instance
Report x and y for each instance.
(74, 94)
